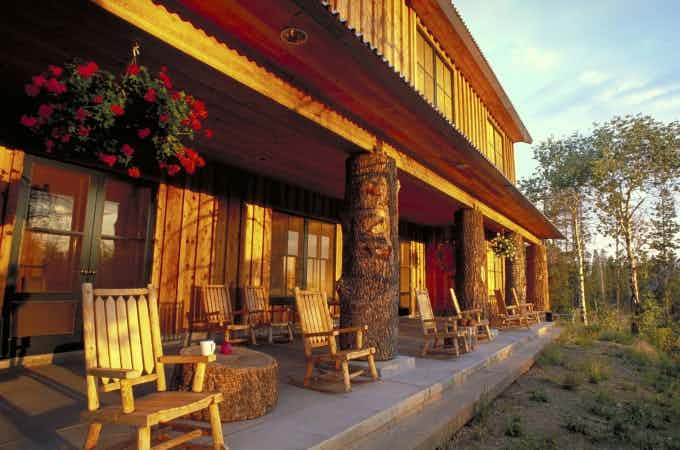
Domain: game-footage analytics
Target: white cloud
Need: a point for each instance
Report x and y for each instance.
(539, 59)
(593, 77)
(667, 103)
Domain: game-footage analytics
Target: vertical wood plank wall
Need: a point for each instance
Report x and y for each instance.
(391, 26)
(11, 168)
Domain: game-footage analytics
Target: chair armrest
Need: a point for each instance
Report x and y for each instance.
(280, 309)
(350, 329)
(186, 359)
(108, 372)
(257, 311)
(212, 313)
(472, 311)
(511, 307)
(240, 312)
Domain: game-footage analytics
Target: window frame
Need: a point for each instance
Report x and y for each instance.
(437, 57)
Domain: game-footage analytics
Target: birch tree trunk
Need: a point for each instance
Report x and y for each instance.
(578, 243)
(635, 306)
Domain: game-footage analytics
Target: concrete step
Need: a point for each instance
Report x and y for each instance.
(465, 381)
(437, 421)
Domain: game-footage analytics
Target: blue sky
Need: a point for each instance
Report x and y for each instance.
(567, 64)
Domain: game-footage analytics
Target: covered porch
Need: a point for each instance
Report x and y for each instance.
(40, 405)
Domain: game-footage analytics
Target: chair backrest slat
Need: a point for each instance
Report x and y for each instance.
(121, 331)
(315, 316)
(216, 303)
(456, 305)
(257, 300)
(500, 302)
(425, 308)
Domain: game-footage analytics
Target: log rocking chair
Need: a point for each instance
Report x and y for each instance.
(526, 308)
(508, 316)
(218, 315)
(319, 338)
(122, 337)
(261, 314)
(471, 318)
(438, 330)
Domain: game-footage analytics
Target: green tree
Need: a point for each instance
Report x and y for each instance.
(628, 153)
(561, 185)
(664, 242)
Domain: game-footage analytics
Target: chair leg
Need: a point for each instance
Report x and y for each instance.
(371, 366)
(309, 370)
(253, 339)
(345, 376)
(227, 335)
(92, 436)
(216, 427)
(488, 333)
(290, 332)
(144, 438)
(271, 336)
(426, 346)
(455, 347)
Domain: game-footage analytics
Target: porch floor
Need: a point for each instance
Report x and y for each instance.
(40, 406)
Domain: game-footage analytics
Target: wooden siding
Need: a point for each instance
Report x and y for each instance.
(11, 169)
(391, 26)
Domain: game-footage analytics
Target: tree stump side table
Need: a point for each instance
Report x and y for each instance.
(247, 379)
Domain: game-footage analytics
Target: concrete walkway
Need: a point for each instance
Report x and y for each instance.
(39, 406)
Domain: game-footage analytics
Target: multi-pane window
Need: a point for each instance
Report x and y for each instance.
(303, 255)
(495, 145)
(495, 267)
(433, 77)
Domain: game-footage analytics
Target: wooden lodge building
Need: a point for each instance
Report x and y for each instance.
(307, 99)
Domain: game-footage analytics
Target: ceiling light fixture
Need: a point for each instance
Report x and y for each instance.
(293, 36)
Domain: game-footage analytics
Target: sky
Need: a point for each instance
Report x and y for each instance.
(568, 63)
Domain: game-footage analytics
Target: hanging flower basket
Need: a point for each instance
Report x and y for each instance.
(503, 246)
(136, 121)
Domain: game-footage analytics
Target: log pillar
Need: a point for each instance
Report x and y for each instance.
(369, 286)
(537, 277)
(470, 259)
(515, 270)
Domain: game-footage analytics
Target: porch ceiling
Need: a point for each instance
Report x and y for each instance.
(251, 131)
(339, 69)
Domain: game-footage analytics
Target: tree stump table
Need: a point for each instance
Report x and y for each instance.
(247, 379)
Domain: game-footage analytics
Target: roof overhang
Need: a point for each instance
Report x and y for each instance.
(341, 69)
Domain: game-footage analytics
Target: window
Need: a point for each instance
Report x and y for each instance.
(433, 77)
(303, 255)
(495, 145)
(495, 266)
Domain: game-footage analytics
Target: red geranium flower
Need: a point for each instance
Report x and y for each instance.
(56, 70)
(134, 172)
(108, 159)
(143, 133)
(164, 117)
(81, 114)
(196, 124)
(132, 70)
(167, 82)
(98, 99)
(88, 69)
(83, 131)
(208, 133)
(29, 121)
(150, 95)
(117, 110)
(49, 145)
(173, 169)
(32, 90)
(55, 87)
(176, 95)
(39, 80)
(45, 111)
(65, 138)
(127, 150)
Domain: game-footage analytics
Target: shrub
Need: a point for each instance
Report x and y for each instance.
(514, 427)
(551, 356)
(575, 425)
(620, 337)
(597, 371)
(539, 396)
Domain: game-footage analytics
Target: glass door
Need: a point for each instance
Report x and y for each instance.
(73, 225)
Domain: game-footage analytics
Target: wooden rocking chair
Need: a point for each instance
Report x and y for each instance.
(508, 316)
(472, 318)
(437, 329)
(261, 315)
(318, 333)
(123, 348)
(219, 316)
(526, 308)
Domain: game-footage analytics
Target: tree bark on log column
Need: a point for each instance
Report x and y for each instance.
(369, 286)
(470, 259)
(537, 277)
(516, 270)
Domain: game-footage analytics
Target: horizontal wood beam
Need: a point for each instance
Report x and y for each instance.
(184, 36)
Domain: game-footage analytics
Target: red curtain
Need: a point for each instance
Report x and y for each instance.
(441, 269)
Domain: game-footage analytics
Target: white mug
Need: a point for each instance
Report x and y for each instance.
(207, 347)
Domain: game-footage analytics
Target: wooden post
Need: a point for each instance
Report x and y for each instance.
(470, 259)
(369, 286)
(537, 277)
(515, 270)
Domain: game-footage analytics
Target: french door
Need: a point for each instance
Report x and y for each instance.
(73, 225)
